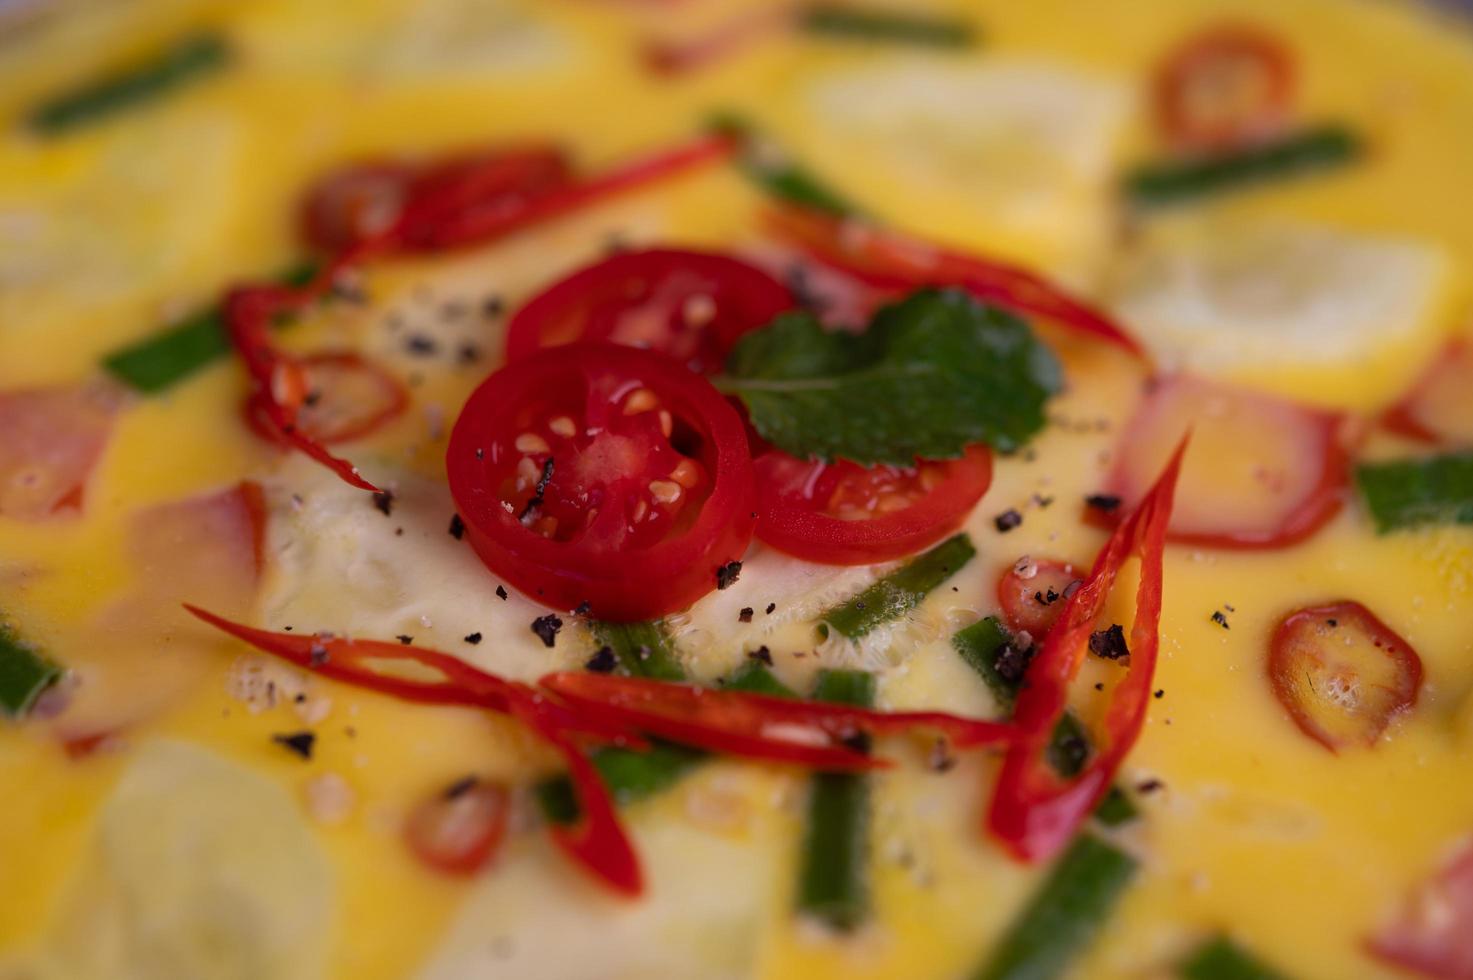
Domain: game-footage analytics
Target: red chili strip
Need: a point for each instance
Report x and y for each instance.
(887, 259)
(1034, 811)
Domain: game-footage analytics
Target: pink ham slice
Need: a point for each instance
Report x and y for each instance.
(50, 440)
(1433, 933)
(1439, 407)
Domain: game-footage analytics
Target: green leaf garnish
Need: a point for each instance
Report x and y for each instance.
(933, 374)
(1411, 492)
(24, 674)
(769, 167)
(898, 26)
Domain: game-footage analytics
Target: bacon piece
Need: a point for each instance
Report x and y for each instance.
(50, 441)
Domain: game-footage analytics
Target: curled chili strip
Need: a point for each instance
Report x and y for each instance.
(887, 259)
(1035, 812)
(757, 726)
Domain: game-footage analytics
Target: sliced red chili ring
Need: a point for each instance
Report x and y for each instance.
(1033, 592)
(1035, 812)
(841, 513)
(1227, 86)
(347, 397)
(603, 474)
(1439, 408)
(1342, 674)
(692, 306)
(1262, 472)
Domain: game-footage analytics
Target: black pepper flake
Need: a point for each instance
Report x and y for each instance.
(770, 607)
(584, 608)
(1106, 502)
(1149, 786)
(405, 638)
(1220, 619)
(493, 306)
(480, 453)
(317, 654)
(1099, 687)
(457, 527)
(501, 592)
(603, 662)
(1332, 623)
(473, 638)
(421, 345)
(762, 655)
(1109, 643)
(546, 628)
(384, 501)
(535, 501)
(287, 628)
(941, 759)
(468, 353)
(299, 742)
(460, 787)
(1011, 663)
(745, 616)
(1007, 520)
(1159, 694)
(1046, 598)
(727, 574)
(858, 742)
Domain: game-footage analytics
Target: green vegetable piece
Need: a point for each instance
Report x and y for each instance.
(1220, 958)
(643, 649)
(835, 20)
(933, 374)
(900, 591)
(774, 172)
(24, 674)
(1116, 809)
(1411, 492)
(755, 677)
(1063, 916)
(1321, 148)
(185, 60)
(833, 883)
(979, 645)
(160, 361)
(631, 776)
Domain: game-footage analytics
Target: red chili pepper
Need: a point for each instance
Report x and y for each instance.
(597, 841)
(1034, 811)
(755, 726)
(886, 259)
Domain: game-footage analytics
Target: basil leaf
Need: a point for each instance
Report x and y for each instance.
(24, 674)
(1410, 492)
(933, 374)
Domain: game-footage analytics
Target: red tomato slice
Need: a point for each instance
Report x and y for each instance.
(345, 397)
(1440, 406)
(603, 474)
(1034, 591)
(1261, 472)
(690, 305)
(458, 831)
(842, 513)
(50, 439)
(1433, 935)
(1230, 85)
(1342, 674)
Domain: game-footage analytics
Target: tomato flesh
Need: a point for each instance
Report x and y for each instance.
(842, 513)
(692, 306)
(1261, 472)
(1033, 592)
(1342, 674)
(603, 474)
(1440, 406)
(1229, 86)
(458, 831)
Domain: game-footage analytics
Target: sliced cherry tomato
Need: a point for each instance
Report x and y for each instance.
(50, 440)
(347, 397)
(692, 306)
(458, 831)
(1433, 934)
(1035, 811)
(1440, 406)
(1033, 592)
(1228, 86)
(842, 513)
(1342, 674)
(1262, 472)
(603, 474)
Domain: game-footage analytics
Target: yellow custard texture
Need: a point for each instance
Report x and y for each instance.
(189, 846)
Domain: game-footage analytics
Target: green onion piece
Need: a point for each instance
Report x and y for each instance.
(1316, 149)
(767, 166)
(1220, 958)
(631, 776)
(162, 360)
(832, 885)
(1064, 914)
(24, 674)
(185, 60)
(755, 677)
(1410, 492)
(835, 20)
(643, 649)
(900, 591)
(979, 645)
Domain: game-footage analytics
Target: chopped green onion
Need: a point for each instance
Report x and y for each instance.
(755, 677)
(835, 20)
(899, 592)
(183, 61)
(1409, 492)
(1316, 149)
(1064, 914)
(630, 776)
(979, 645)
(832, 886)
(643, 649)
(164, 359)
(1220, 958)
(24, 674)
(767, 166)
